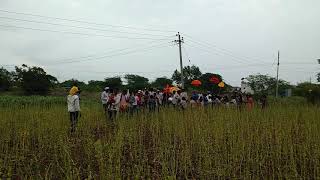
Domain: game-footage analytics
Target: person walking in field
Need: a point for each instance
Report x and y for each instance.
(133, 103)
(105, 99)
(263, 101)
(250, 102)
(114, 105)
(183, 103)
(73, 102)
(152, 103)
(124, 98)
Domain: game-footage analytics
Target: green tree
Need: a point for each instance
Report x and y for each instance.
(113, 82)
(209, 86)
(6, 79)
(265, 84)
(136, 82)
(94, 85)
(161, 82)
(309, 91)
(73, 82)
(190, 73)
(34, 80)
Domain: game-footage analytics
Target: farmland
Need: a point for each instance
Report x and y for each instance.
(282, 141)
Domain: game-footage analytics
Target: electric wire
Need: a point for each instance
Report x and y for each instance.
(84, 22)
(80, 27)
(79, 33)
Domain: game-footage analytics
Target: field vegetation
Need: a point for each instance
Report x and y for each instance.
(282, 141)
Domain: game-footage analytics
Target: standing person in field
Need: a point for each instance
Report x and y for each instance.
(263, 101)
(73, 102)
(133, 103)
(183, 103)
(116, 104)
(250, 102)
(152, 103)
(194, 99)
(110, 104)
(105, 99)
(124, 98)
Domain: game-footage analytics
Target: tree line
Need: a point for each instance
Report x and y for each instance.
(36, 81)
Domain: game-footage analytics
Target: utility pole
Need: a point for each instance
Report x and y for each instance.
(277, 88)
(179, 41)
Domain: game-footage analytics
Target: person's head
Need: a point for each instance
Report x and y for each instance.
(183, 98)
(106, 89)
(74, 90)
(179, 92)
(173, 92)
(151, 97)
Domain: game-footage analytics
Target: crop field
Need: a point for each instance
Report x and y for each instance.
(282, 141)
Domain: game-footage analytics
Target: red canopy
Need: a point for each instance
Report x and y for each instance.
(196, 83)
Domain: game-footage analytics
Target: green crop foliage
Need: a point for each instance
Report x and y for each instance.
(281, 142)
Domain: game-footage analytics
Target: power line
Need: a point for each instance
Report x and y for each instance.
(239, 59)
(77, 33)
(85, 22)
(126, 72)
(100, 54)
(81, 27)
(114, 55)
(225, 51)
(215, 53)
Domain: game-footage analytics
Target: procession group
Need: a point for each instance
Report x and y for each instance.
(127, 102)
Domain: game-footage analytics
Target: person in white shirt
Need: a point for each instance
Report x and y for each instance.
(73, 102)
(175, 98)
(133, 103)
(114, 105)
(184, 94)
(105, 99)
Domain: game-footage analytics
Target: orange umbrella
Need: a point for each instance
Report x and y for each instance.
(196, 83)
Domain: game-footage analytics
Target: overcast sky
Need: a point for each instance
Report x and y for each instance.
(234, 38)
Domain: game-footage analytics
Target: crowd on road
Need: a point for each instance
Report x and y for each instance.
(127, 102)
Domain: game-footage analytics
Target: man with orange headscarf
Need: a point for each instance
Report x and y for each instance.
(73, 101)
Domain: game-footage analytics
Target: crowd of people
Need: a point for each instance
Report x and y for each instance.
(117, 102)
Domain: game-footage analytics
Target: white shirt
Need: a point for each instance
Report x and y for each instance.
(175, 99)
(116, 104)
(104, 97)
(185, 95)
(73, 103)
